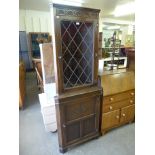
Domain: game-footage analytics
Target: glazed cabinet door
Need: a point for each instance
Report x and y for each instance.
(110, 119)
(76, 52)
(81, 119)
(127, 114)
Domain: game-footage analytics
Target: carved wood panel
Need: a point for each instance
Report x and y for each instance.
(79, 109)
(75, 13)
(80, 118)
(72, 132)
(88, 126)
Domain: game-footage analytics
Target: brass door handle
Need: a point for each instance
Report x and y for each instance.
(117, 117)
(131, 101)
(123, 115)
(110, 108)
(132, 93)
(111, 99)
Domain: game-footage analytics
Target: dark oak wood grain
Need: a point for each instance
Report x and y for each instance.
(79, 93)
(79, 114)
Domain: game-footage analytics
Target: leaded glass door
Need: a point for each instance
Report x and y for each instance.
(77, 46)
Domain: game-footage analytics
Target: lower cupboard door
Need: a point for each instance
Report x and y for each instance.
(110, 119)
(72, 132)
(127, 114)
(79, 129)
(88, 126)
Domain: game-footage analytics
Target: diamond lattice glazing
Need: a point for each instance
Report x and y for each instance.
(77, 51)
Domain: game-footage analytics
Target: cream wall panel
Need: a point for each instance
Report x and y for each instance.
(22, 26)
(49, 25)
(36, 24)
(29, 24)
(124, 33)
(100, 24)
(44, 24)
(22, 23)
(34, 21)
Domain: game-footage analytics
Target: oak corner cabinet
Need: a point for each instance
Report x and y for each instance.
(79, 94)
(118, 105)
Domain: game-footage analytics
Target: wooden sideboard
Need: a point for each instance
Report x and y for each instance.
(118, 106)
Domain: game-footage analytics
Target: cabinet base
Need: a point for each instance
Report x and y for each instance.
(65, 149)
(107, 130)
(62, 150)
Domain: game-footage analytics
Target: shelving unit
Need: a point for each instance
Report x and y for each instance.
(113, 57)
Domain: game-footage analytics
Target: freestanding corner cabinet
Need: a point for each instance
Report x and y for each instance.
(79, 94)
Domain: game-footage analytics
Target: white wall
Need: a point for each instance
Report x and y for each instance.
(124, 33)
(107, 33)
(34, 21)
(100, 24)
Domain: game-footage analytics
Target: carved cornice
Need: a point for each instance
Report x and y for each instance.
(76, 13)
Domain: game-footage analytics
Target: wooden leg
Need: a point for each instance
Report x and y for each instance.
(63, 150)
(131, 121)
(54, 131)
(21, 108)
(103, 133)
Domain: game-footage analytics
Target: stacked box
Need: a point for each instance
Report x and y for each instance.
(48, 112)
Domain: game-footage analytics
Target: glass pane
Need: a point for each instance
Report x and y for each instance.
(77, 50)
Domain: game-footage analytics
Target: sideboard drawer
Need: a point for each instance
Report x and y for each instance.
(118, 97)
(117, 105)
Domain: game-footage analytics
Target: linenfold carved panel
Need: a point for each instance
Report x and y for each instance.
(79, 109)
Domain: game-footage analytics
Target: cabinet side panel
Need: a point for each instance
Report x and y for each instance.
(55, 30)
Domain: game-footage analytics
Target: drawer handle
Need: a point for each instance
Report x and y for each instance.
(117, 117)
(110, 108)
(123, 115)
(131, 101)
(111, 99)
(132, 93)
